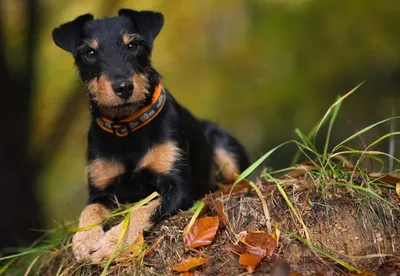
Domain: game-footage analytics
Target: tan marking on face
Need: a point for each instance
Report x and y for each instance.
(102, 172)
(226, 164)
(110, 104)
(126, 38)
(141, 87)
(161, 157)
(84, 241)
(102, 92)
(94, 44)
(140, 219)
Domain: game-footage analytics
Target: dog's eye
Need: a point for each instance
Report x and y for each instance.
(90, 54)
(132, 47)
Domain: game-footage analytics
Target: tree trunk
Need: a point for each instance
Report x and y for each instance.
(19, 213)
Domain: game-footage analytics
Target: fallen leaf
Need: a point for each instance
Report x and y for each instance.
(133, 250)
(398, 189)
(235, 248)
(191, 274)
(250, 261)
(218, 208)
(188, 264)
(367, 273)
(259, 243)
(276, 234)
(225, 189)
(202, 232)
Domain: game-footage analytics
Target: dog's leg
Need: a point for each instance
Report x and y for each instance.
(163, 168)
(101, 173)
(83, 241)
(140, 219)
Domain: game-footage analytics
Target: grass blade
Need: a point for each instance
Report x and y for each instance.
(200, 207)
(250, 169)
(264, 205)
(358, 133)
(326, 253)
(334, 105)
(331, 122)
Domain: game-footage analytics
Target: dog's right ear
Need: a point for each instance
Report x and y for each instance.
(67, 35)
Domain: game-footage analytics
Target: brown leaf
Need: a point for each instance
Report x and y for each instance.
(259, 243)
(202, 232)
(218, 208)
(250, 261)
(188, 264)
(235, 248)
(225, 189)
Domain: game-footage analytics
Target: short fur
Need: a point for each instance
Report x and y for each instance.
(175, 154)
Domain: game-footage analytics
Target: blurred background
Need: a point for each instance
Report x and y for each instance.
(260, 68)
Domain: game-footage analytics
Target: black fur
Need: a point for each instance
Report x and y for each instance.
(190, 177)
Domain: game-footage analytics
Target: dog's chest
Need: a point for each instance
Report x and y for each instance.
(124, 164)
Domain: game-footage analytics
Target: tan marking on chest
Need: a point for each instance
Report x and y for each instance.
(102, 171)
(161, 157)
(226, 164)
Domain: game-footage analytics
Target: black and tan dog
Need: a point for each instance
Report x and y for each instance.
(140, 139)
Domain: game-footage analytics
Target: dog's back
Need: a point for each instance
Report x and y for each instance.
(212, 150)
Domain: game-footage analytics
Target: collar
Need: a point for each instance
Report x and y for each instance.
(139, 119)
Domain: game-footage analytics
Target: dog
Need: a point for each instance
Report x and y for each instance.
(140, 139)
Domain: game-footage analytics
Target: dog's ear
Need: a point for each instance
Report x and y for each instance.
(148, 22)
(67, 35)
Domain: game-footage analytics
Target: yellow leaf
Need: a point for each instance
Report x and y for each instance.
(188, 264)
(135, 249)
(250, 261)
(398, 189)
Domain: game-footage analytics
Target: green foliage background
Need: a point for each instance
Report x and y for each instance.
(258, 68)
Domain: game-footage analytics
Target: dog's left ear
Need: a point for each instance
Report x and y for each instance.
(67, 35)
(148, 22)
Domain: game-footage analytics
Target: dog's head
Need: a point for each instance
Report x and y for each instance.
(113, 57)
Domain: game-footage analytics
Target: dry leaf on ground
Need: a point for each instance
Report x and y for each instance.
(259, 243)
(235, 248)
(217, 208)
(133, 250)
(202, 232)
(250, 261)
(240, 187)
(191, 274)
(188, 264)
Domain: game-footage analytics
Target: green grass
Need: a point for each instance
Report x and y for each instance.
(332, 170)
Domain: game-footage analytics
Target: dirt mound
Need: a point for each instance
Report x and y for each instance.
(350, 229)
(361, 233)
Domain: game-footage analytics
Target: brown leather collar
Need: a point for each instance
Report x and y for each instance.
(139, 119)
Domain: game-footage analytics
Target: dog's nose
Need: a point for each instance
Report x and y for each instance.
(123, 89)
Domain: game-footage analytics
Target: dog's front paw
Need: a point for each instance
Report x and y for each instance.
(83, 241)
(104, 249)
